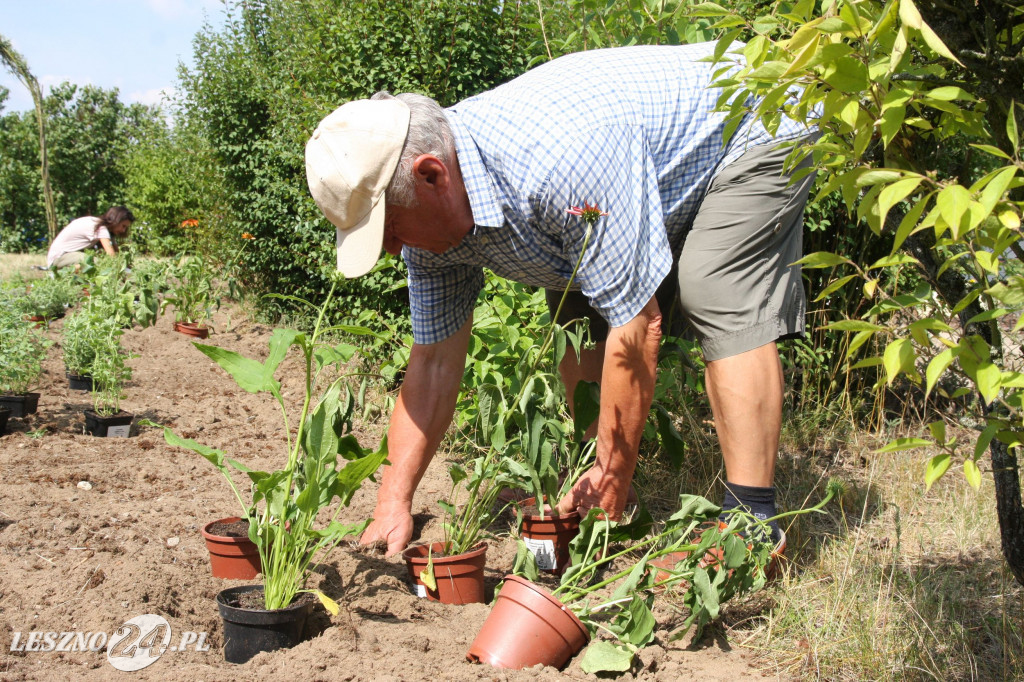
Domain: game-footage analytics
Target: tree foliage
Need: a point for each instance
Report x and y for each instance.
(262, 83)
(927, 155)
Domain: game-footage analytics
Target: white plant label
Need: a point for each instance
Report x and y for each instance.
(421, 590)
(544, 552)
(119, 431)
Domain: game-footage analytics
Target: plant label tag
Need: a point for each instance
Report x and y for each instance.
(119, 431)
(420, 590)
(543, 551)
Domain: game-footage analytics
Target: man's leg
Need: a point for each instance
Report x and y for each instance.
(741, 293)
(745, 392)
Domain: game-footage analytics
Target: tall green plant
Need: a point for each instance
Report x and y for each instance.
(284, 504)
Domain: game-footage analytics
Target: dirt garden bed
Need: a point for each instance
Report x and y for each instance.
(96, 531)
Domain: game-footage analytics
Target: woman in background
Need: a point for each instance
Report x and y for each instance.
(84, 233)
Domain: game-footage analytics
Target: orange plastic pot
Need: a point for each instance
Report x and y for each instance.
(548, 538)
(527, 626)
(231, 557)
(189, 329)
(459, 578)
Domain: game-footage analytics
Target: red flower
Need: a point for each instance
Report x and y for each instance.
(190, 223)
(589, 212)
(246, 235)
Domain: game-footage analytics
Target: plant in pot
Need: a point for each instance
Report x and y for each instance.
(109, 373)
(193, 296)
(22, 349)
(85, 332)
(611, 586)
(48, 298)
(323, 463)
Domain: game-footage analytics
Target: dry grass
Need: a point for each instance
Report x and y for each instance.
(19, 265)
(895, 582)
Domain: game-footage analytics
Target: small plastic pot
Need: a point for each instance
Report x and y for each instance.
(459, 578)
(115, 426)
(248, 632)
(234, 558)
(549, 539)
(79, 382)
(527, 626)
(20, 404)
(189, 329)
(4, 414)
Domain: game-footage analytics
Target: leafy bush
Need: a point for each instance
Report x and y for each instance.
(22, 349)
(261, 84)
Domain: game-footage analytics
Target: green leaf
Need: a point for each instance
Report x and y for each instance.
(938, 431)
(937, 466)
(671, 440)
(936, 367)
(972, 473)
(847, 74)
(604, 656)
(247, 373)
(834, 286)
(822, 259)
(987, 378)
(952, 203)
(898, 357)
(855, 326)
(904, 444)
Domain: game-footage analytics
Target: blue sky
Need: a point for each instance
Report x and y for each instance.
(133, 45)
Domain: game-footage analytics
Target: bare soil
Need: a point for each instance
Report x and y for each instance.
(96, 531)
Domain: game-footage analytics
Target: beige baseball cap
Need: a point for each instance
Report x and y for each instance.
(349, 162)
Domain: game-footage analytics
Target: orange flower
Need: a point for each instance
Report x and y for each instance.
(246, 235)
(190, 223)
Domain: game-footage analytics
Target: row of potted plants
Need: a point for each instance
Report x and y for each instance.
(280, 510)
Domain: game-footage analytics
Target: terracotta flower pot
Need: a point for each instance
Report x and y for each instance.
(189, 329)
(459, 578)
(527, 626)
(20, 404)
(114, 426)
(248, 631)
(236, 558)
(37, 320)
(549, 539)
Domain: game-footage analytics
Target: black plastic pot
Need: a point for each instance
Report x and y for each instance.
(248, 632)
(20, 404)
(79, 382)
(115, 426)
(4, 414)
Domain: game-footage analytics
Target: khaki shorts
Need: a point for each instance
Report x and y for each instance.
(67, 259)
(736, 283)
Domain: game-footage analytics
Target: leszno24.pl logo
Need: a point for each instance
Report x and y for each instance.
(133, 646)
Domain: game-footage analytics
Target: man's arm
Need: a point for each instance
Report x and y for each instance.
(422, 414)
(627, 389)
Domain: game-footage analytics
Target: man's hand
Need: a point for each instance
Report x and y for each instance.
(392, 525)
(596, 489)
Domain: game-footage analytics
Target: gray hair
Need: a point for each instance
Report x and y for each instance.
(429, 133)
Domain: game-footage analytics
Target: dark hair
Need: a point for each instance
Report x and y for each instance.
(113, 216)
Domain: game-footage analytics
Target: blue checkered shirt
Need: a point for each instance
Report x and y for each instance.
(633, 130)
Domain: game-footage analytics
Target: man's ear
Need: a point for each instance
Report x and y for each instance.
(430, 170)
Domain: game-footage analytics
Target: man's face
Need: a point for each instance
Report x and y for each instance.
(417, 227)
